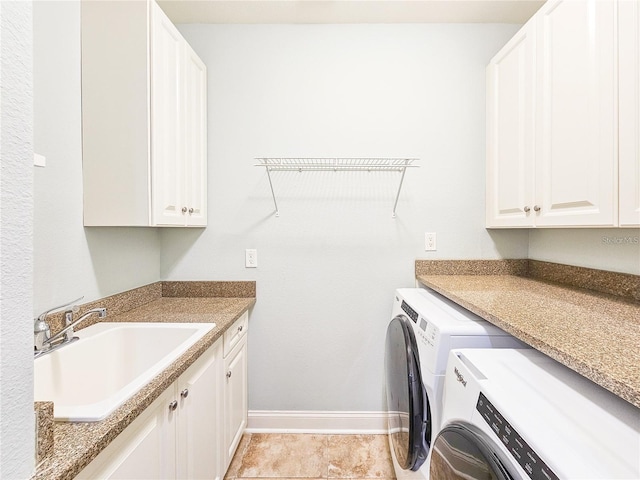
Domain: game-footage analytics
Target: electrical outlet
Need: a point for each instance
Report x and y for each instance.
(251, 258)
(430, 241)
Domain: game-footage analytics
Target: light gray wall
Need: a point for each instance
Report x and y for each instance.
(329, 264)
(71, 260)
(615, 249)
(16, 221)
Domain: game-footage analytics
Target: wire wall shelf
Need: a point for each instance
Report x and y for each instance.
(399, 165)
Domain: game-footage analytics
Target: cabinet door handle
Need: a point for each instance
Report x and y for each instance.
(184, 393)
(172, 406)
(184, 209)
(190, 210)
(240, 328)
(229, 374)
(527, 209)
(536, 208)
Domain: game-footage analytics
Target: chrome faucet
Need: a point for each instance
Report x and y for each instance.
(45, 343)
(41, 329)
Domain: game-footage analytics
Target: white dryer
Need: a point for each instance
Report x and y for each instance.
(519, 415)
(425, 326)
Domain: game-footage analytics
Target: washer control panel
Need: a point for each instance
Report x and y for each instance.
(413, 315)
(528, 459)
(425, 330)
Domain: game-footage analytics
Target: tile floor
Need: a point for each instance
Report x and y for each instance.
(310, 456)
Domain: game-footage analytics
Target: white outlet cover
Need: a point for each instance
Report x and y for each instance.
(251, 258)
(430, 242)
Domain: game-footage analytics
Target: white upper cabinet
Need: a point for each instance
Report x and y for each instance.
(144, 119)
(166, 108)
(576, 116)
(552, 126)
(629, 91)
(510, 153)
(195, 135)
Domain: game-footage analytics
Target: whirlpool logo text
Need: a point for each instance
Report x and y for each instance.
(460, 376)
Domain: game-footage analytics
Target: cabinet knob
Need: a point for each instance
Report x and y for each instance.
(184, 393)
(536, 208)
(240, 328)
(229, 374)
(190, 210)
(184, 209)
(173, 405)
(527, 209)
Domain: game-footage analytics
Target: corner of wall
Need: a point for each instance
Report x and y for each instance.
(17, 449)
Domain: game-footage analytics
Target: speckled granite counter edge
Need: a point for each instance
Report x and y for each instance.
(97, 435)
(44, 425)
(472, 267)
(123, 302)
(601, 378)
(599, 283)
(200, 289)
(622, 285)
(115, 305)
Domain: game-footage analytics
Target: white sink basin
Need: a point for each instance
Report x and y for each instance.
(89, 378)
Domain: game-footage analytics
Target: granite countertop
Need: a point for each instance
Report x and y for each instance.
(76, 444)
(596, 334)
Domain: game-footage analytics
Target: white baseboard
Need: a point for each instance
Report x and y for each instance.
(282, 421)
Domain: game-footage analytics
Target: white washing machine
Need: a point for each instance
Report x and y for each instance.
(520, 415)
(425, 326)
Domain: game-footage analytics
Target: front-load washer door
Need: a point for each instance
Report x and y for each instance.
(407, 403)
(461, 451)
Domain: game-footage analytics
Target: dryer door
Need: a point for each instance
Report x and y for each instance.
(461, 451)
(407, 404)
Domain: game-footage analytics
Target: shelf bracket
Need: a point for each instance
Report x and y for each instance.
(275, 204)
(395, 204)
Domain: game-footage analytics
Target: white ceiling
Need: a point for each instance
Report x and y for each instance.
(350, 11)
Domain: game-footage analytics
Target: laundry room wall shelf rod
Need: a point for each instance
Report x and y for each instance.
(273, 164)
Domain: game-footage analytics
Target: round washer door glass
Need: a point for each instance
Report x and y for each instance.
(461, 452)
(408, 407)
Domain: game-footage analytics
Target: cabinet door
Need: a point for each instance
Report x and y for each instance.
(235, 398)
(200, 428)
(576, 156)
(510, 109)
(167, 181)
(115, 113)
(629, 91)
(194, 137)
(144, 451)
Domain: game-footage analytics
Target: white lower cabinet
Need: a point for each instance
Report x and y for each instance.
(192, 430)
(200, 413)
(235, 389)
(177, 436)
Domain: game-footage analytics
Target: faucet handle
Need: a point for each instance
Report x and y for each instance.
(75, 308)
(68, 314)
(40, 326)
